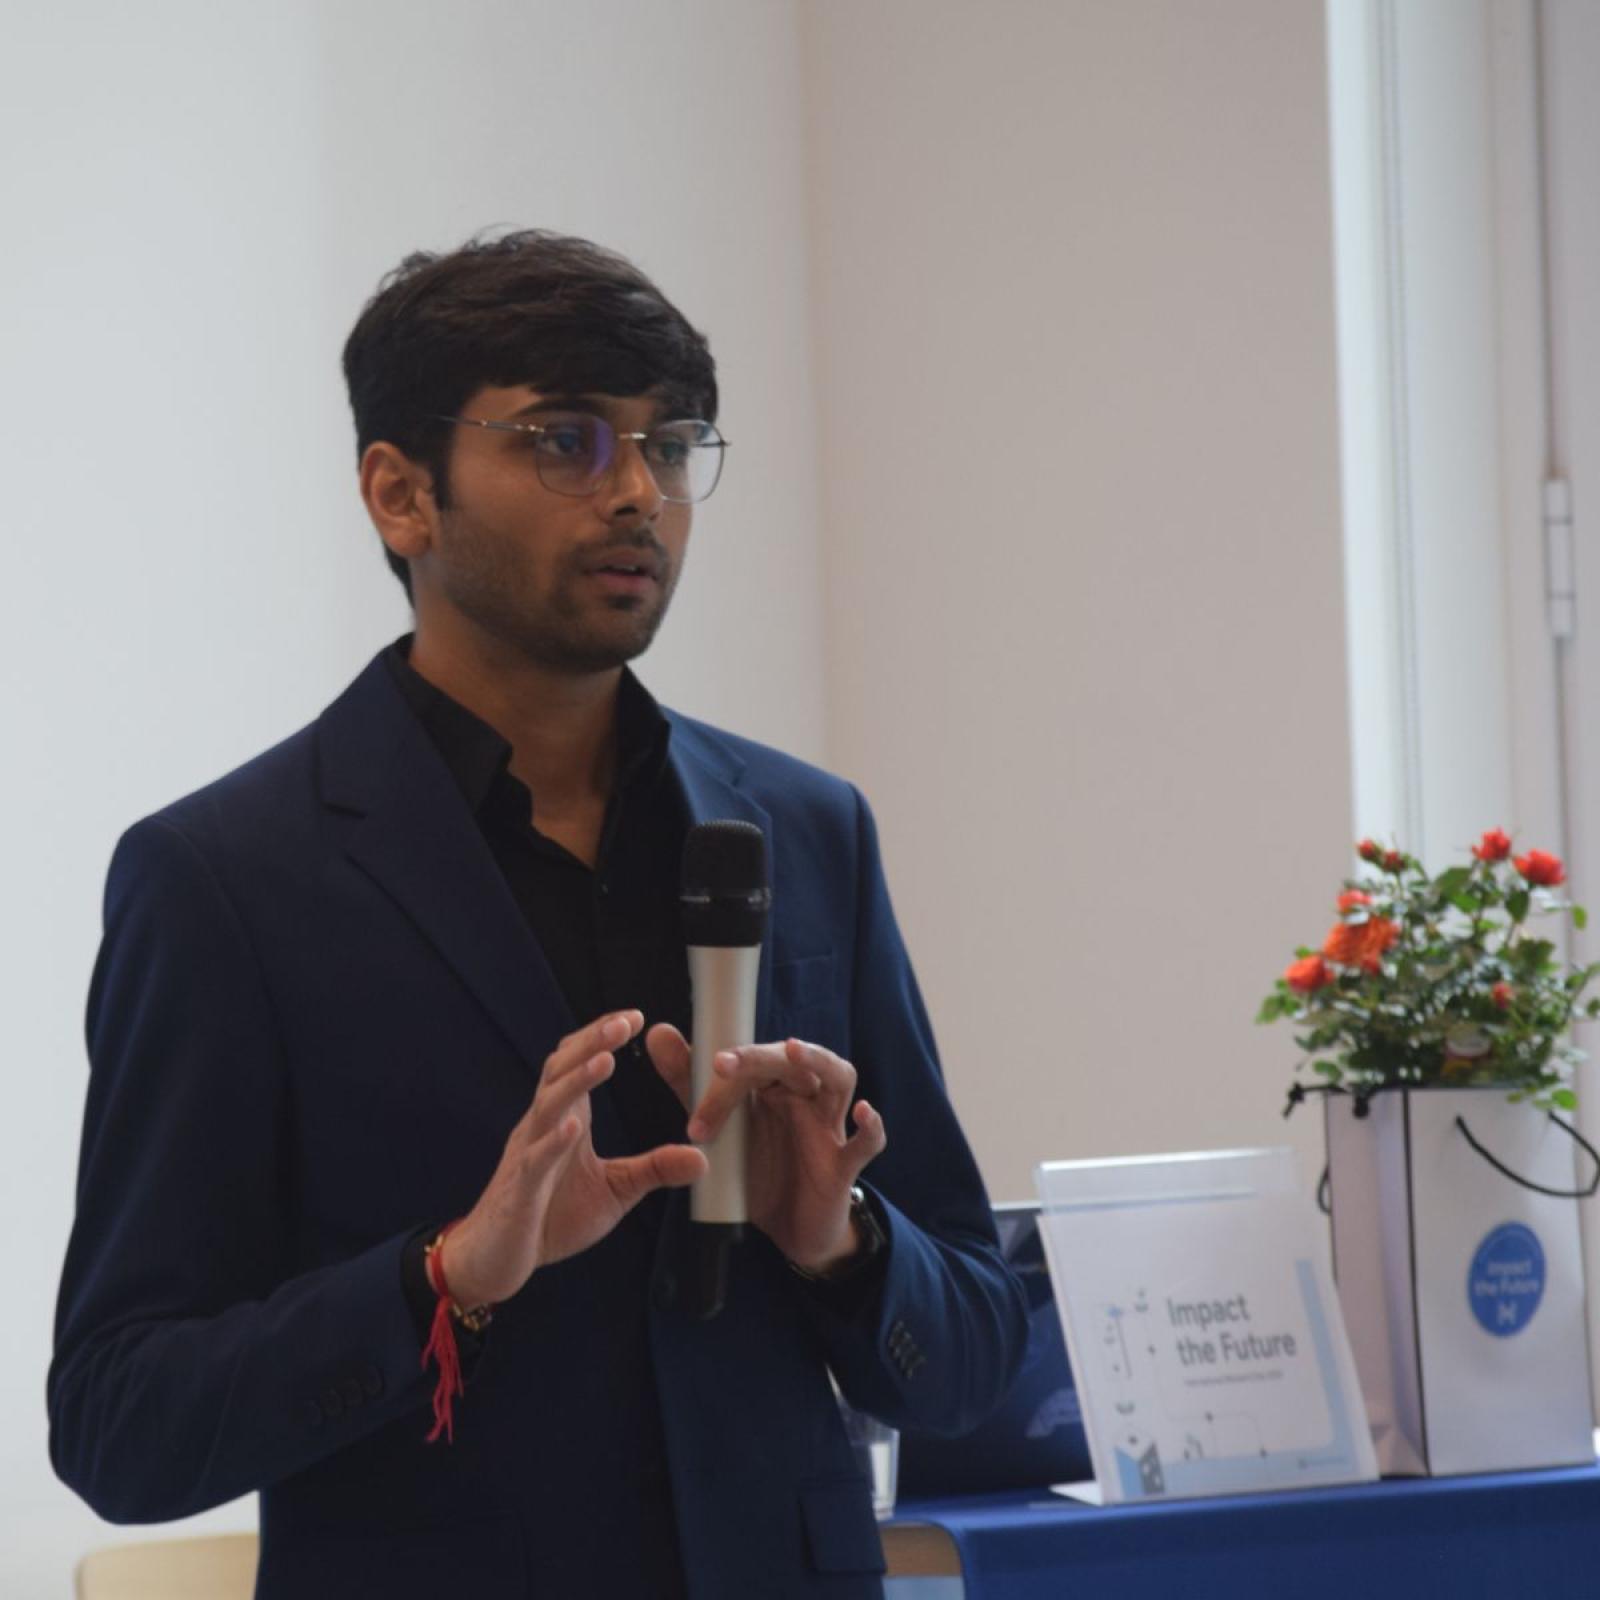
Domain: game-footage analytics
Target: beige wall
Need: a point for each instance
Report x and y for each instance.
(1074, 310)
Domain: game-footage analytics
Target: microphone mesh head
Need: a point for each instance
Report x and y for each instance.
(724, 858)
(725, 890)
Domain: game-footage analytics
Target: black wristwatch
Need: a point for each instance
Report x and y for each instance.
(869, 1231)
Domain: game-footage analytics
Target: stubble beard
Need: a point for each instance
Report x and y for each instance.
(561, 630)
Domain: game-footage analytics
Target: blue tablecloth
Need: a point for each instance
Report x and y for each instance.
(1513, 1536)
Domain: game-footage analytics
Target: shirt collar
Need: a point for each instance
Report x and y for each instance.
(478, 756)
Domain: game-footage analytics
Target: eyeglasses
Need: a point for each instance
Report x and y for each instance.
(573, 452)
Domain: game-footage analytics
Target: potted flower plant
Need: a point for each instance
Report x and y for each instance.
(1435, 1019)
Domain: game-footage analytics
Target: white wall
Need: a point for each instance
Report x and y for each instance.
(1441, 333)
(199, 194)
(1074, 303)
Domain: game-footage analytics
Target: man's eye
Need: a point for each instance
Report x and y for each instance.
(670, 451)
(568, 440)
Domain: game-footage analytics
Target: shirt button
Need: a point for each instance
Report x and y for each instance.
(605, 889)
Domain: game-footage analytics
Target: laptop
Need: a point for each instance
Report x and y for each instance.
(1036, 1436)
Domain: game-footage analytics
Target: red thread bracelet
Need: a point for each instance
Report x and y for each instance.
(441, 1344)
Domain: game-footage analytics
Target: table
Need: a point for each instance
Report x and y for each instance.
(1510, 1536)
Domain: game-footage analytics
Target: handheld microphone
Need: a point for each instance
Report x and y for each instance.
(726, 903)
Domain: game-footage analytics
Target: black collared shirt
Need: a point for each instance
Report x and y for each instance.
(610, 933)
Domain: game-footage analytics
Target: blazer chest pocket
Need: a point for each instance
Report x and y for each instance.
(802, 988)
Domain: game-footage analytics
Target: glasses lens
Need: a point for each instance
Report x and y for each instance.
(573, 452)
(685, 459)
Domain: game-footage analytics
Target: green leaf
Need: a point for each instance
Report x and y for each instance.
(1531, 955)
(1517, 905)
(1580, 918)
(1566, 1099)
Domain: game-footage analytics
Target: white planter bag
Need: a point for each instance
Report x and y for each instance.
(1460, 1272)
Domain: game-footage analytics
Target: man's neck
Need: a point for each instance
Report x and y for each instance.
(561, 728)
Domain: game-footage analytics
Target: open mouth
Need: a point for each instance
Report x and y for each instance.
(626, 582)
(628, 568)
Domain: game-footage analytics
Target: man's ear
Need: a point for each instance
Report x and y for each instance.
(398, 494)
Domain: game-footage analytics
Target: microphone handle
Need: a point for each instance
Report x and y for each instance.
(723, 981)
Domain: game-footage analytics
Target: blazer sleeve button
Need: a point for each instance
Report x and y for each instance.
(332, 1403)
(354, 1394)
(372, 1382)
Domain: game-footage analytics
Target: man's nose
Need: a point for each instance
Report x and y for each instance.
(629, 486)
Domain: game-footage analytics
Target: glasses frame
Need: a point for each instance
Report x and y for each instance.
(719, 444)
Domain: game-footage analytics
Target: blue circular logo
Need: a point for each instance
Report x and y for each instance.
(1505, 1282)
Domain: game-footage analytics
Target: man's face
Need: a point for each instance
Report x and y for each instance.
(576, 584)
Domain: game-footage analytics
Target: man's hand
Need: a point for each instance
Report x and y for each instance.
(552, 1196)
(801, 1155)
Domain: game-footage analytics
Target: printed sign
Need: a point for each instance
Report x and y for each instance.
(1203, 1326)
(1505, 1282)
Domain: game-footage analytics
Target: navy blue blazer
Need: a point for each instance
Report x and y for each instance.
(316, 1015)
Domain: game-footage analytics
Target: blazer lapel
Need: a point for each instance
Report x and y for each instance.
(411, 831)
(709, 773)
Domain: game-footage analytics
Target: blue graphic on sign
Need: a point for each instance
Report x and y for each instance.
(1505, 1282)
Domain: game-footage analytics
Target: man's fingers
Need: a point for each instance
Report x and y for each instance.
(794, 1063)
(669, 1051)
(801, 1069)
(609, 1032)
(729, 1092)
(668, 1166)
(867, 1143)
(555, 1100)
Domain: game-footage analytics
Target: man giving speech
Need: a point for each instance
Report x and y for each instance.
(383, 1199)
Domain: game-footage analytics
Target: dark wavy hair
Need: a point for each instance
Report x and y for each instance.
(532, 307)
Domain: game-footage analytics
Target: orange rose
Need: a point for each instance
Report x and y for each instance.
(1541, 868)
(1361, 944)
(1369, 850)
(1393, 860)
(1307, 975)
(1352, 898)
(1501, 995)
(1495, 845)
